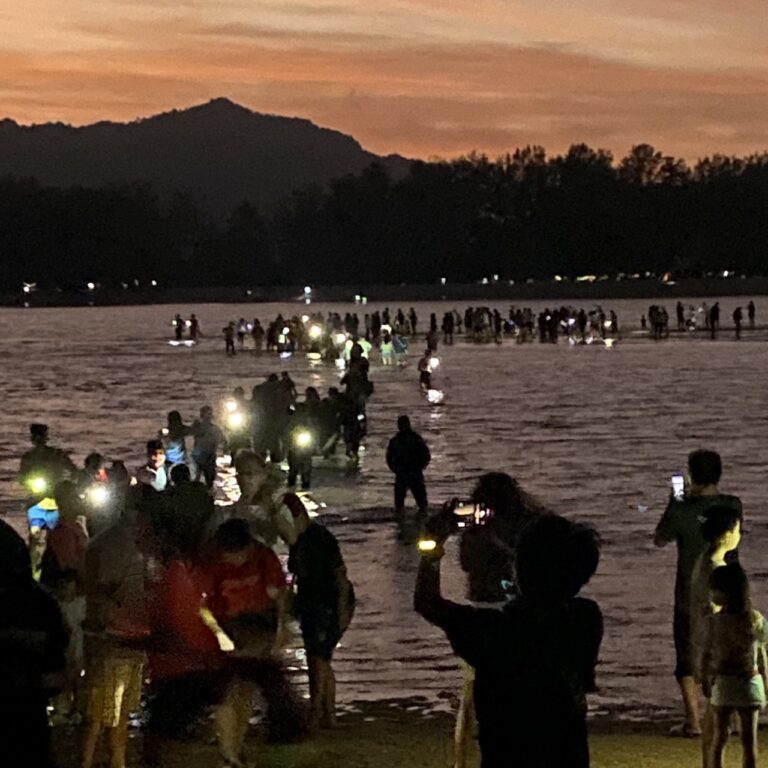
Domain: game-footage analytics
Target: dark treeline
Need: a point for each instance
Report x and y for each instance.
(522, 216)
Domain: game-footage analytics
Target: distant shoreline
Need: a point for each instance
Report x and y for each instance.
(469, 292)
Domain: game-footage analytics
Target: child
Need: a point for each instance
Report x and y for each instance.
(734, 645)
(387, 349)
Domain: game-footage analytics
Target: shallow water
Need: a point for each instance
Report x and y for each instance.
(595, 433)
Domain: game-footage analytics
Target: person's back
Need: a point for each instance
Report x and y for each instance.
(531, 682)
(407, 452)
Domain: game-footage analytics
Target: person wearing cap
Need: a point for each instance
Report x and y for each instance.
(324, 604)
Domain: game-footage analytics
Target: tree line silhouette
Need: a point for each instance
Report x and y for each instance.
(524, 215)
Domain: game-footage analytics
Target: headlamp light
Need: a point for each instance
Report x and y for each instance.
(38, 484)
(97, 495)
(303, 439)
(235, 420)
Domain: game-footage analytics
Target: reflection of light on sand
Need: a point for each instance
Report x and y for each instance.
(435, 396)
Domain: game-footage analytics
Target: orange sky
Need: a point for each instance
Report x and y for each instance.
(418, 77)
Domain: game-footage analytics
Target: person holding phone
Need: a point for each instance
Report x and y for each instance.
(534, 658)
(681, 523)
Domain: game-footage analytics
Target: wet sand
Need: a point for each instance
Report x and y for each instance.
(595, 433)
(387, 737)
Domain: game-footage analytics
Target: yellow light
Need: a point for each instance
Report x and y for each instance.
(38, 485)
(231, 406)
(97, 495)
(315, 331)
(303, 439)
(235, 420)
(427, 545)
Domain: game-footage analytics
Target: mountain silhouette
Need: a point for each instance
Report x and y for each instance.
(221, 152)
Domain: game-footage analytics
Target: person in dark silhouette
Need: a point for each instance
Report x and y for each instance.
(751, 313)
(738, 316)
(408, 456)
(413, 319)
(229, 338)
(535, 658)
(714, 319)
(680, 316)
(33, 641)
(194, 327)
(178, 327)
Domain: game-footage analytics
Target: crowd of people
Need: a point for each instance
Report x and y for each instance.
(157, 579)
(692, 318)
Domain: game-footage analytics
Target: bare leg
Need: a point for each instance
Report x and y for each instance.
(90, 740)
(117, 739)
(749, 718)
(314, 670)
(329, 696)
(719, 739)
(465, 717)
(691, 692)
(227, 725)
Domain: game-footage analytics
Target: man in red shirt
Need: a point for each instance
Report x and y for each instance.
(244, 587)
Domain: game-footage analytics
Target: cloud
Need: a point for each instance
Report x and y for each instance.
(420, 77)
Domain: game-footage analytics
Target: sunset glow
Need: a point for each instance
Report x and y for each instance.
(417, 77)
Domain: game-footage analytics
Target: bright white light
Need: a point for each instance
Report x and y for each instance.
(315, 331)
(305, 319)
(188, 323)
(307, 289)
(164, 431)
(231, 406)
(434, 363)
(97, 495)
(442, 281)
(235, 420)
(607, 324)
(154, 283)
(357, 298)
(340, 338)
(365, 299)
(435, 396)
(38, 485)
(26, 288)
(91, 286)
(609, 343)
(341, 363)
(427, 545)
(303, 439)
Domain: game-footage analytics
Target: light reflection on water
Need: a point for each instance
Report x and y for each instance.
(595, 435)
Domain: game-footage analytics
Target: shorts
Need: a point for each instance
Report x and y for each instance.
(114, 688)
(738, 691)
(321, 631)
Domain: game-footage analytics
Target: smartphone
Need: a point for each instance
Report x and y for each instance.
(468, 515)
(678, 486)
